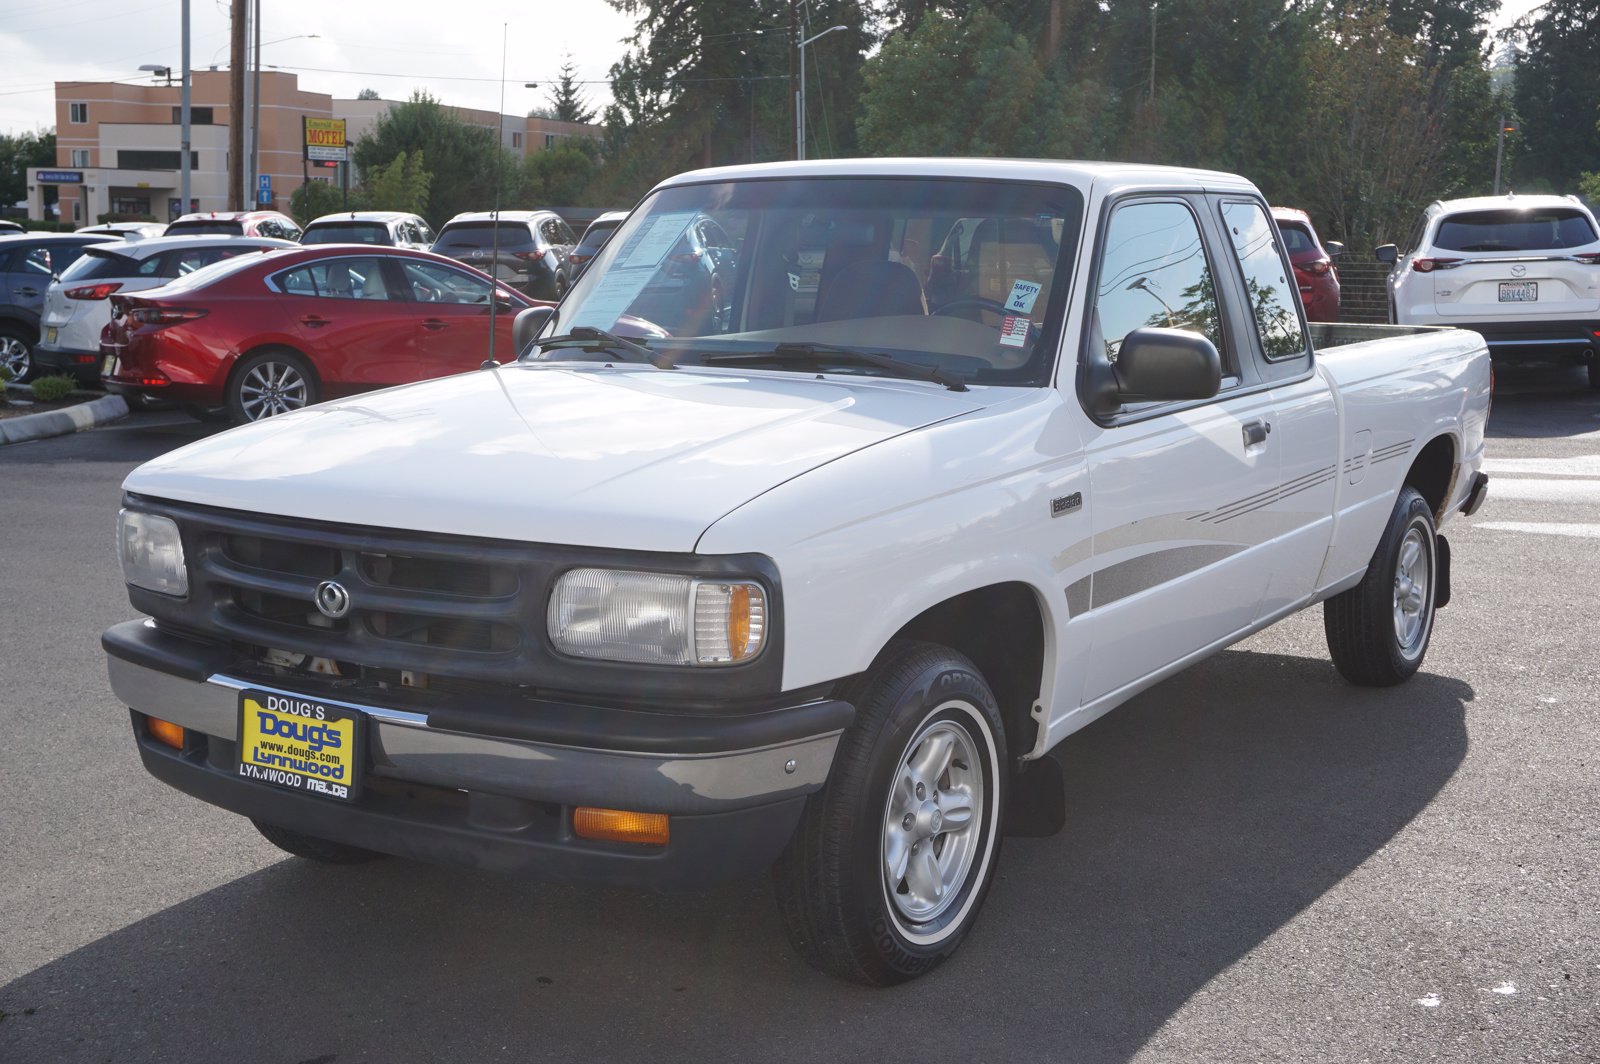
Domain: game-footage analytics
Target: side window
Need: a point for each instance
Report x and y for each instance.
(158, 266)
(565, 230)
(1416, 236)
(182, 263)
(430, 282)
(35, 261)
(1273, 297)
(346, 278)
(425, 234)
(1153, 272)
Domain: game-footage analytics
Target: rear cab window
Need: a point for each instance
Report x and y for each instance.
(1274, 306)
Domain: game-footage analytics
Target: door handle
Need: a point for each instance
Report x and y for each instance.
(433, 323)
(312, 321)
(28, 291)
(1255, 432)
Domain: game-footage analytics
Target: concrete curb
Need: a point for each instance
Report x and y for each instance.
(60, 422)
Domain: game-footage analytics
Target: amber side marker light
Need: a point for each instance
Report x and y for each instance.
(617, 825)
(164, 731)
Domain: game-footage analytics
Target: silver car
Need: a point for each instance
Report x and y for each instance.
(77, 306)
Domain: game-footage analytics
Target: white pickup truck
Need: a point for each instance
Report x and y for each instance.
(801, 552)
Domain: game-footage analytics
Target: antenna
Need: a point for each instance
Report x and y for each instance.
(494, 216)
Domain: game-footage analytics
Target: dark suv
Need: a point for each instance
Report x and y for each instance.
(28, 263)
(528, 252)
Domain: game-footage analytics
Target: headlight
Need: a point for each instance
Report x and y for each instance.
(151, 553)
(657, 618)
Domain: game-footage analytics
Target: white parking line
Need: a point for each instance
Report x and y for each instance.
(1583, 465)
(1568, 491)
(1543, 528)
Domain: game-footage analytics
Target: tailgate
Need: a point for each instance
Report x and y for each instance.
(1482, 288)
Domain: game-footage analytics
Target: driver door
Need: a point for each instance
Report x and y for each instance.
(450, 309)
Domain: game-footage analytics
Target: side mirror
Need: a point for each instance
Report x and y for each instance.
(1386, 253)
(1333, 248)
(529, 324)
(1167, 364)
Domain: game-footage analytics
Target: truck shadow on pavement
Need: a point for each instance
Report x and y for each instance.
(1203, 817)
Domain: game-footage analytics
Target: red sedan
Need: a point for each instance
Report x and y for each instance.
(1313, 262)
(259, 335)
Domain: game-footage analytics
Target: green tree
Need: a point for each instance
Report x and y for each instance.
(400, 185)
(1557, 92)
(316, 198)
(17, 153)
(562, 176)
(467, 163)
(368, 94)
(568, 103)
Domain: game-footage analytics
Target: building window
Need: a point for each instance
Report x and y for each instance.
(144, 159)
(516, 140)
(135, 205)
(198, 116)
(549, 140)
(80, 156)
(78, 113)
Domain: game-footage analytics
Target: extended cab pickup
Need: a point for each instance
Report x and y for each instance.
(959, 456)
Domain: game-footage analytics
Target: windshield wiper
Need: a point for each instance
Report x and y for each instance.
(587, 338)
(813, 354)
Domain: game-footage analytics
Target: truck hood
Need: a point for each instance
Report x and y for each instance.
(628, 457)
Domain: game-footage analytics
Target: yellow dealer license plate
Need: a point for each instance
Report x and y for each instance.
(300, 744)
(50, 335)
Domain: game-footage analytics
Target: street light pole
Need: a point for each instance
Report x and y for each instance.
(255, 113)
(800, 125)
(1500, 150)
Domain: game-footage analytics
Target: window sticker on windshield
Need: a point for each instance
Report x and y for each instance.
(632, 269)
(1023, 293)
(650, 244)
(1014, 331)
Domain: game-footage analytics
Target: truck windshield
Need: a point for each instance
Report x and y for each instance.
(965, 277)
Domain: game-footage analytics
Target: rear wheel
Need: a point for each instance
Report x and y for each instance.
(892, 859)
(268, 383)
(324, 851)
(16, 353)
(1378, 631)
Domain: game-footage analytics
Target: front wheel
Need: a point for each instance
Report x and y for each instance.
(889, 867)
(1378, 631)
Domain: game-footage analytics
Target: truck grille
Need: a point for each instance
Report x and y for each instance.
(457, 613)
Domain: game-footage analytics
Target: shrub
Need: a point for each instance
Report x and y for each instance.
(5, 375)
(51, 389)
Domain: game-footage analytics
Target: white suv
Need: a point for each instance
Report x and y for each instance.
(1522, 270)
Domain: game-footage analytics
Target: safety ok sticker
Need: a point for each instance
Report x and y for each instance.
(1023, 293)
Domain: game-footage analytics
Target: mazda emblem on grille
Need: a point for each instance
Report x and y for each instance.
(332, 599)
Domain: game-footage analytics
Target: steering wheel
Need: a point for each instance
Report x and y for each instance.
(971, 303)
(425, 293)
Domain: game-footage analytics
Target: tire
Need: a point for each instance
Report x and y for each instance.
(323, 851)
(1378, 631)
(268, 383)
(16, 353)
(875, 886)
(1594, 374)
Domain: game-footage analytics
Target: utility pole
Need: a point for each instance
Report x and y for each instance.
(236, 107)
(183, 120)
(794, 90)
(252, 187)
(1500, 150)
(800, 107)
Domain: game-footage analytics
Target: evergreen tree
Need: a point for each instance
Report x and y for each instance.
(567, 102)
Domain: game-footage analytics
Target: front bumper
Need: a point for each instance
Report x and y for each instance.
(733, 785)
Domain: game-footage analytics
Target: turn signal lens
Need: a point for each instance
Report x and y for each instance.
(617, 825)
(730, 621)
(164, 731)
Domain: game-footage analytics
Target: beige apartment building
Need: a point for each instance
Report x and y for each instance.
(118, 147)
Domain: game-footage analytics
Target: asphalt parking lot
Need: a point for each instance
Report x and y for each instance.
(1261, 863)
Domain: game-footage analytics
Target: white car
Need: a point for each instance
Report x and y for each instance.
(77, 305)
(817, 580)
(128, 230)
(1522, 270)
(383, 228)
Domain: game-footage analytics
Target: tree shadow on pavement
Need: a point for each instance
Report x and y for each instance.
(1203, 816)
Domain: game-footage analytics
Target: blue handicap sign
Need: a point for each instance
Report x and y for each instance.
(264, 182)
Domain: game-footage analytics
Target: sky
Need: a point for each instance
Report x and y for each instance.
(395, 47)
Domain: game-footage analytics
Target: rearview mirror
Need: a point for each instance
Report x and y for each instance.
(1167, 364)
(1386, 253)
(529, 324)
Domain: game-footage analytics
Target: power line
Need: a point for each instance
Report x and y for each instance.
(413, 76)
